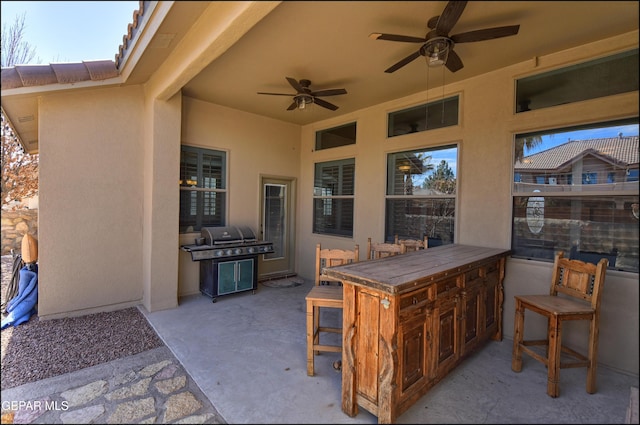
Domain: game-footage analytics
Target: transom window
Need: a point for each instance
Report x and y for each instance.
(589, 80)
(429, 116)
(337, 136)
(202, 188)
(421, 195)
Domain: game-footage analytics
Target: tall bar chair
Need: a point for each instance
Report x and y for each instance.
(326, 293)
(576, 290)
(383, 249)
(413, 244)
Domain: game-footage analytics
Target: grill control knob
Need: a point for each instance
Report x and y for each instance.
(251, 250)
(228, 252)
(237, 251)
(219, 253)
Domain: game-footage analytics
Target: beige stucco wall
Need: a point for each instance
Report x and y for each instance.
(483, 215)
(256, 146)
(90, 216)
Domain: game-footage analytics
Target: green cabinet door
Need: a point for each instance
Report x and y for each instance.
(244, 278)
(226, 277)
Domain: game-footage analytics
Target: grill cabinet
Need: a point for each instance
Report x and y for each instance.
(228, 259)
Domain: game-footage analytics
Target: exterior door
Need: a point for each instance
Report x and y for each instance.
(277, 226)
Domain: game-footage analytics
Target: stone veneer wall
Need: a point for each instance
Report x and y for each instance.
(15, 224)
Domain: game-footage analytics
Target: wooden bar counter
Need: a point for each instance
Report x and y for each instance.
(409, 320)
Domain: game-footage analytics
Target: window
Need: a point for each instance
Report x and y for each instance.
(590, 209)
(421, 195)
(438, 114)
(335, 137)
(333, 197)
(597, 78)
(202, 188)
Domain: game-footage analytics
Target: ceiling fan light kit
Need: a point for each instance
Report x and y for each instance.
(302, 100)
(437, 45)
(436, 51)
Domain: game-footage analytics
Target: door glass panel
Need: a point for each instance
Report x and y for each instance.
(275, 208)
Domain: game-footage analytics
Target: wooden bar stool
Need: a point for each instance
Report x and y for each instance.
(576, 290)
(326, 293)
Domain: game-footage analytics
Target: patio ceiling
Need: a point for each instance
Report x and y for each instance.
(328, 43)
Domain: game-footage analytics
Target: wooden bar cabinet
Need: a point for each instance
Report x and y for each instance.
(408, 320)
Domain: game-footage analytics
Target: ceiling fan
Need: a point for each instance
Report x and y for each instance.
(438, 45)
(305, 95)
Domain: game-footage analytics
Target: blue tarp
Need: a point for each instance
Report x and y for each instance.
(23, 305)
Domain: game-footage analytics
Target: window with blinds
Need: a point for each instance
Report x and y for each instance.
(333, 197)
(576, 190)
(421, 195)
(202, 188)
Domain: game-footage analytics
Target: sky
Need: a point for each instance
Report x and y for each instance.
(71, 31)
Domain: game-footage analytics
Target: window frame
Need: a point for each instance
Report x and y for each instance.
(583, 212)
(413, 116)
(334, 131)
(328, 200)
(439, 231)
(200, 191)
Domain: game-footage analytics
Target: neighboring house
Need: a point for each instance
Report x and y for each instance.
(137, 154)
(604, 166)
(601, 161)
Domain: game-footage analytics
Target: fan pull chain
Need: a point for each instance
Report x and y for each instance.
(442, 120)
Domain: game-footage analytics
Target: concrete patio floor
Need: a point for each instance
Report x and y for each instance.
(247, 353)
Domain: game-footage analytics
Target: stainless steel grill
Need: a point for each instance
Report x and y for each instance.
(227, 242)
(228, 259)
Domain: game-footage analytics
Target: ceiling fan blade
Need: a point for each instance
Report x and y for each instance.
(454, 63)
(293, 106)
(403, 62)
(485, 34)
(396, 37)
(431, 23)
(325, 104)
(449, 17)
(278, 94)
(330, 92)
(295, 84)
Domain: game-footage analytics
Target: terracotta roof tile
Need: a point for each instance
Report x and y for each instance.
(70, 72)
(132, 29)
(101, 70)
(57, 73)
(36, 75)
(617, 150)
(10, 79)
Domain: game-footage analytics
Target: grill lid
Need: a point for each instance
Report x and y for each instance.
(227, 235)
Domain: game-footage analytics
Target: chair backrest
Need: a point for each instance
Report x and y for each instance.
(578, 279)
(333, 257)
(382, 249)
(413, 244)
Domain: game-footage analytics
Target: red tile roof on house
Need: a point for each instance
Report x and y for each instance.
(57, 73)
(68, 73)
(617, 150)
(132, 29)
